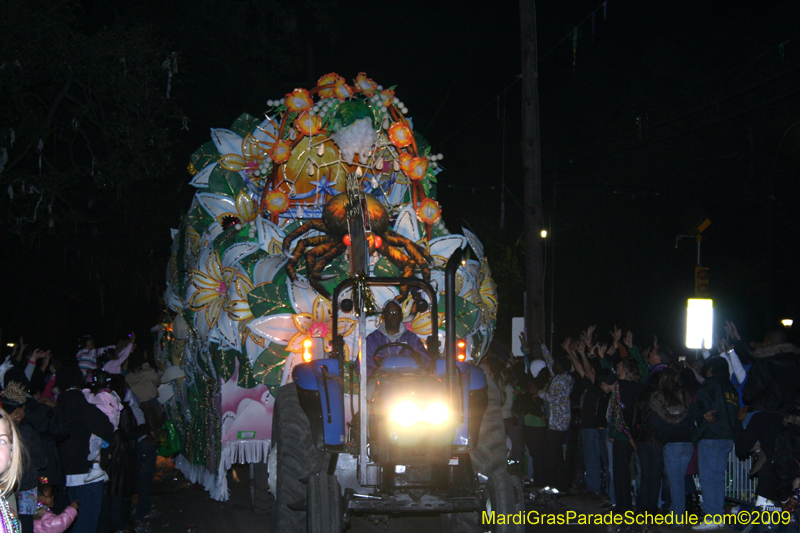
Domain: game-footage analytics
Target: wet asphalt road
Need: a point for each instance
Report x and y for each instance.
(184, 507)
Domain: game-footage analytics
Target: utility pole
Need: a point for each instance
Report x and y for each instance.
(532, 178)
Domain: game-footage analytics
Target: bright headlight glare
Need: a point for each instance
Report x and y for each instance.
(436, 413)
(408, 413)
(405, 414)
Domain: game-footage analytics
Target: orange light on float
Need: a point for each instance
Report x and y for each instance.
(308, 125)
(377, 241)
(400, 135)
(281, 152)
(328, 79)
(461, 350)
(277, 202)
(346, 239)
(365, 85)
(298, 100)
(429, 211)
(307, 350)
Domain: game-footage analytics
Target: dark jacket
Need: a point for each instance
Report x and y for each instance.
(764, 429)
(84, 419)
(629, 393)
(671, 423)
(122, 465)
(37, 457)
(715, 394)
(52, 427)
(773, 380)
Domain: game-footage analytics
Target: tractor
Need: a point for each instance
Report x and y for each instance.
(422, 439)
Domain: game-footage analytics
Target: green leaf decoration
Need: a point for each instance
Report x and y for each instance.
(225, 182)
(248, 262)
(199, 219)
(349, 112)
(246, 379)
(245, 125)
(467, 315)
(423, 146)
(384, 268)
(339, 270)
(229, 237)
(205, 155)
(430, 175)
(269, 365)
(269, 299)
(223, 362)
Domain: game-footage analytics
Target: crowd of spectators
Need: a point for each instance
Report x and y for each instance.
(650, 429)
(89, 425)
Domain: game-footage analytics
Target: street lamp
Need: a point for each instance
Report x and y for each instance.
(787, 322)
(699, 323)
(543, 233)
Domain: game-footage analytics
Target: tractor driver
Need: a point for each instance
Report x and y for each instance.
(393, 330)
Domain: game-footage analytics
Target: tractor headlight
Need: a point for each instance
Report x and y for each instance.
(408, 413)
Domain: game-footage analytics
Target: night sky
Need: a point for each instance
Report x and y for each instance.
(673, 112)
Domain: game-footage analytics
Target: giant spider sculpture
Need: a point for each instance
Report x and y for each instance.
(320, 250)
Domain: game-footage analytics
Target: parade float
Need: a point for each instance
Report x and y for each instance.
(264, 242)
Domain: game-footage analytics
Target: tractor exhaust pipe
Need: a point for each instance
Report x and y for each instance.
(450, 323)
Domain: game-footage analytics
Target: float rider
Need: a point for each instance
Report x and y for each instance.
(391, 330)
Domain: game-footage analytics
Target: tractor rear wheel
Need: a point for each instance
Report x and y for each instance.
(324, 504)
(297, 460)
(490, 454)
(262, 499)
(503, 495)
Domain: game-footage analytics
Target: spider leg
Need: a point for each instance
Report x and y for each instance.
(299, 251)
(416, 253)
(318, 258)
(301, 230)
(401, 261)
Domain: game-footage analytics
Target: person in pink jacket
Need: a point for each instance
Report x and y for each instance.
(45, 520)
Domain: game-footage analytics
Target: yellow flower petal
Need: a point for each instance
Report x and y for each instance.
(203, 281)
(213, 311)
(202, 298)
(321, 310)
(296, 343)
(240, 310)
(346, 326)
(303, 322)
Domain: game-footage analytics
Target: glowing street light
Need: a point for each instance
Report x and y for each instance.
(787, 322)
(543, 233)
(699, 323)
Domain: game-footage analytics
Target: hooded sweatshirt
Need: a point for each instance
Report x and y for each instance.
(671, 423)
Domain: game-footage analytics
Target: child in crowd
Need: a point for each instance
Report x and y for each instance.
(107, 401)
(45, 520)
(11, 451)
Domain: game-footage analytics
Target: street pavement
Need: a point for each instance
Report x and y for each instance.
(183, 507)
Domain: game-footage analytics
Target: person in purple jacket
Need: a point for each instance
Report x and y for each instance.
(391, 330)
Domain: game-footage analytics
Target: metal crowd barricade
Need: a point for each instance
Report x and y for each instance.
(739, 487)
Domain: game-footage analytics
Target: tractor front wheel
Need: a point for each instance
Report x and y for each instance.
(324, 504)
(503, 495)
(297, 460)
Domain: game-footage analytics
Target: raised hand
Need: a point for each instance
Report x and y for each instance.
(730, 327)
(601, 350)
(655, 341)
(523, 338)
(581, 347)
(616, 335)
(567, 345)
(590, 335)
(646, 353)
(629, 339)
